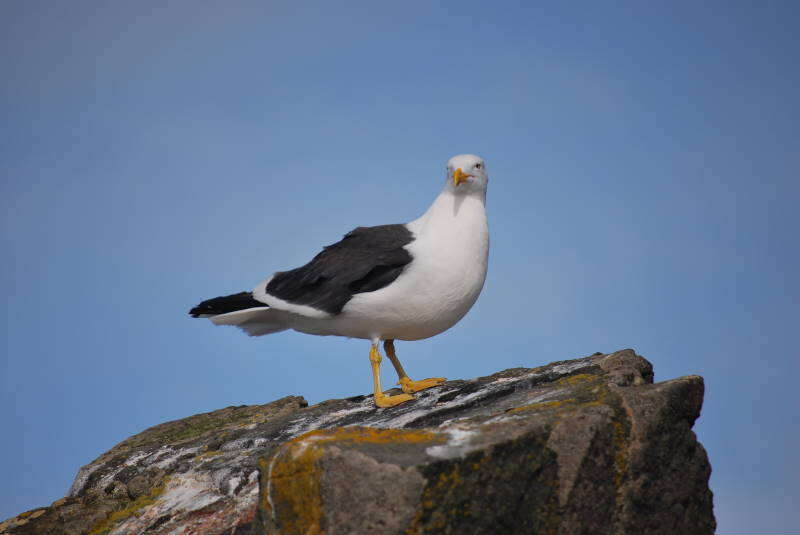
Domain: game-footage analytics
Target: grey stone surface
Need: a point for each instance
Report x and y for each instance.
(586, 446)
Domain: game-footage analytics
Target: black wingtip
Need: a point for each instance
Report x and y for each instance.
(196, 311)
(225, 304)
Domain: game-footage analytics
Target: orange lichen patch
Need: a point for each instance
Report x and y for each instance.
(579, 379)
(568, 403)
(293, 488)
(603, 395)
(621, 429)
(133, 508)
(457, 491)
(621, 452)
(431, 501)
(598, 393)
(544, 405)
(292, 494)
(33, 513)
(439, 488)
(370, 435)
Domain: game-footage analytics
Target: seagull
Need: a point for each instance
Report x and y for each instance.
(390, 282)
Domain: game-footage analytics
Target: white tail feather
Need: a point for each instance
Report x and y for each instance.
(254, 321)
(260, 329)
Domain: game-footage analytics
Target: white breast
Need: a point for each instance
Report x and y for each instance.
(450, 257)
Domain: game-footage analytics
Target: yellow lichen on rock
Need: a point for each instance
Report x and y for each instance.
(575, 380)
(294, 485)
(370, 435)
(544, 405)
(117, 517)
(293, 474)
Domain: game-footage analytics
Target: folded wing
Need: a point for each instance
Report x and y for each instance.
(365, 260)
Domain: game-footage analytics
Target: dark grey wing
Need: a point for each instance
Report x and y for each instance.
(367, 259)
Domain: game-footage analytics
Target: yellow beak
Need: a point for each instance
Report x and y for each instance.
(459, 176)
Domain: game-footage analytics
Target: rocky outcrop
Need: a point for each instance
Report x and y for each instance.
(587, 446)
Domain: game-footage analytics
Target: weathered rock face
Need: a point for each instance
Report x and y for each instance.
(587, 446)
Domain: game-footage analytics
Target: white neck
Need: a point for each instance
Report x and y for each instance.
(461, 211)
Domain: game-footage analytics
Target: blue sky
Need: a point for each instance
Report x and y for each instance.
(644, 188)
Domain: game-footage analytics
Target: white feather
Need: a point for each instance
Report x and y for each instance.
(254, 321)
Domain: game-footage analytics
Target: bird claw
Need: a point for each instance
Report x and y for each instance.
(383, 401)
(409, 386)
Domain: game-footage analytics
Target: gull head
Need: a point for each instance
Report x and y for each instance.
(467, 172)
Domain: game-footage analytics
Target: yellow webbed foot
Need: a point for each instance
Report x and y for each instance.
(384, 401)
(409, 386)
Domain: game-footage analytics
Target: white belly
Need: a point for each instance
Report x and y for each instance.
(450, 259)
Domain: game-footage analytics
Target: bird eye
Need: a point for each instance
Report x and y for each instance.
(479, 166)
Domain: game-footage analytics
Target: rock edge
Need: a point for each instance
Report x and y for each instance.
(582, 446)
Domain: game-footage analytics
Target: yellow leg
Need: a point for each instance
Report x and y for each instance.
(408, 386)
(381, 399)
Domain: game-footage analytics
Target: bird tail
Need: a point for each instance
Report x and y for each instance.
(241, 310)
(225, 304)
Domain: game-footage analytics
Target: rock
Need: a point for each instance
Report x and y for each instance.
(586, 446)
